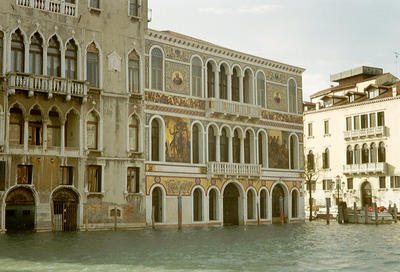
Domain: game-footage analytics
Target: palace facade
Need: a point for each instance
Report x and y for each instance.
(104, 123)
(351, 139)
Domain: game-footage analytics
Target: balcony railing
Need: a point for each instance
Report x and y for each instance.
(46, 84)
(365, 132)
(233, 169)
(365, 168)
(55, 6)
(233, 108)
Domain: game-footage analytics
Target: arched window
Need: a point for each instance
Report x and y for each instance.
(16, 134)
(236, 147)
(92, 128)
(262, 149)
(224, 142)
(310, 161)
(212, 205)
(250, 204)
(157, 204)
(72, 127)
(71, 60)
(36, 55)
(294, 204)
(133, 134)
(357, 154)
(35, 129)
(365, 154)
(263, 204)
(223, 82)
(247, 152)
(93, 65)
(292, 96)
(156, 69)
(235, 85)
(248, 87)
(133, 72)
(197, 205)
(325, 159)
(261, 90)
(294, 155)
(196, 144)
(349, 155)
(54, 129)
(381, 152)
(374, 153)
(197, 85)
(155, 140)
(17, 52)
(54, 58)
(210, 80)
(211, 145)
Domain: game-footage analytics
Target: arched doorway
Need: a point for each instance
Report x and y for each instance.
(65, 206)
(277, 192)
(231, 205)
(251, 213)
(197, 205)
(157, 204)
(263, 204)
(212, 205)
(20, 210)
(366, 194)
(294, 204)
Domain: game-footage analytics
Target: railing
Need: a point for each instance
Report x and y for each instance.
(55, 6)
(46, 84)
(374, 167)
(233, 108)
(233, 169)
(365, 132)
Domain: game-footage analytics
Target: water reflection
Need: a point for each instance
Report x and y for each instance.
(296, 247)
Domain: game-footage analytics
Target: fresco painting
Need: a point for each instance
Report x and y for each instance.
(278, 149)
(177, 139)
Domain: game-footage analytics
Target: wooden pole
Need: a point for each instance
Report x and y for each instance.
(366, 213)
(395, 212)
(376, 213)
(258, 213)
(327, 214)
(355, 213)
(179, 212)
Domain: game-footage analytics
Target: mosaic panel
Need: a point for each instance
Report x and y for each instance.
(278, 152)
(177, 139)
(177, 78)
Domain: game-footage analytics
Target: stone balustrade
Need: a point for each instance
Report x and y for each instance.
(55, 6)
(233, 169)
(369, 168)
(238, 109)
(365, 132)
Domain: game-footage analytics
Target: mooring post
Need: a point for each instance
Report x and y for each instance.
(395, 212)
(376, 213)
(355, 213)
(366, 213)
(327, 215)
(179, 212)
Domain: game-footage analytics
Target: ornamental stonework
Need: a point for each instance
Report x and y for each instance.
(282, 117)
(177, 78)
(174, 100)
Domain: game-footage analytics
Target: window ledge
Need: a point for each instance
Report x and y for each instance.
(134, 17)
(136, 95)
(310, 137)
(396, 189)
(327, 135)
(382, 189)
(132, 194)
(95, 194)
(95, 10)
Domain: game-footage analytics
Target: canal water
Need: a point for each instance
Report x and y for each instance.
(295, 247)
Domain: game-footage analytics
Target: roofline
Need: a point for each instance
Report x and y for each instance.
(197, 44)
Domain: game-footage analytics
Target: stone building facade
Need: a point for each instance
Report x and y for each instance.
(351, 139)
(104, 123)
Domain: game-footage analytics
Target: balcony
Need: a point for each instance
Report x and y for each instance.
(46, 84)
(365, 132)
(365, 168)
(232, 108)
(54, 6)
(233, 169)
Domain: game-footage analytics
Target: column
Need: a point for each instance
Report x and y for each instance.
(217, 151)
(216, 83)
(45, 60)
(45, 123)
(62, 137)
(256, 150)
(26, 127)
(241, 88)
(229, 87)
(62, 61)
(230, 153)
(242, 149)
(26, 57)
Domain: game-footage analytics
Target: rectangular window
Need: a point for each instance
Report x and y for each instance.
(66, 175)
(348, 123)
(2, 175)
(310, 132)
(93, 69)
(94, 178)
(350, 183)
(395, 182)
(133, 180)
(372, 120)
(133, 8)
(364, 121)
(356, 122)
(95, 4)
(24, 174)
(327, 184)
(382, 182)
(381, 119)
(326, 127)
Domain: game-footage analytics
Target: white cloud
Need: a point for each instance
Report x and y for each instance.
(260, 9)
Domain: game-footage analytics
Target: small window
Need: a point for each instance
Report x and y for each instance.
(17, 52)
(133, 72)
(66, 175)
(95, 4)
(350, 183)
(382, 182)
(196, 77)
(132, 183)
(364, 121)
(356, 122)
(156, 69)
(134, 8)
(71, 60)
(325, 159)
(133, 134)
(36, 55)
(292, 96)
(54, 58)
(24, 174)
(326, 127)
(381, 119)
(372, 119)
(351, 98)
(93, 65)
(327, 184)
(310, 130)
(94, 179)
(92, 131)
(2, 175)
(348, 123)
(395, 182)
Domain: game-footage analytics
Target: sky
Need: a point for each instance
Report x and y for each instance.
(322, 36)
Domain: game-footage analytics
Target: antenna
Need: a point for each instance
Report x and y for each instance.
(397, 55)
